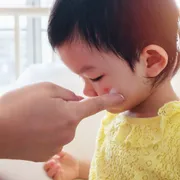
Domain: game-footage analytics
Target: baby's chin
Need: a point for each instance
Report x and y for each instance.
(123, 108)
(115, 110)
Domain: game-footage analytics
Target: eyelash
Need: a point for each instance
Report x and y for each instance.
(97, 79)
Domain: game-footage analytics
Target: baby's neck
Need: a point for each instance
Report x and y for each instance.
(149, 108)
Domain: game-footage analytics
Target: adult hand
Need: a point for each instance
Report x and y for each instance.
(37, 120)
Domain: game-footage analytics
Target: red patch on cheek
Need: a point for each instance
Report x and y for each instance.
(106, 90)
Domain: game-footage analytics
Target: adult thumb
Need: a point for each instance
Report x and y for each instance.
(90, 106)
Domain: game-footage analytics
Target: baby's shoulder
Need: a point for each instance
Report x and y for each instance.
(108, 118)
(170, 109)
(170, 114)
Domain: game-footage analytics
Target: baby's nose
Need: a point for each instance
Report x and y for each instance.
(89, 92)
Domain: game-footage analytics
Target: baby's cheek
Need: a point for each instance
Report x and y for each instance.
(106, 90)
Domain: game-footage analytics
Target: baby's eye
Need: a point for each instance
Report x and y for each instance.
(97, 79)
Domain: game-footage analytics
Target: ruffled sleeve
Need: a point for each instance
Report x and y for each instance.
(168, 113)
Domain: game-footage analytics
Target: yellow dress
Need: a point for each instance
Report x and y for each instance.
(139, 148)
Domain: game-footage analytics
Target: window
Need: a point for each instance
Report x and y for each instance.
(34, 45)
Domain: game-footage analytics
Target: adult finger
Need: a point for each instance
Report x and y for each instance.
(63, 93)
(90, 106)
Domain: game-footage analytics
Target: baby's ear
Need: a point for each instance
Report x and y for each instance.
(154, 59)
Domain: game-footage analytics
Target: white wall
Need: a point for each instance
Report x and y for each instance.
(83, 144)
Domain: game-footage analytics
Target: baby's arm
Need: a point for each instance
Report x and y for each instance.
(84, 167)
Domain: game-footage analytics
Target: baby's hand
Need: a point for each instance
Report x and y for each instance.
(62, 167)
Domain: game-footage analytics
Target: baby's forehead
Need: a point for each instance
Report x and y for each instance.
(81, 53)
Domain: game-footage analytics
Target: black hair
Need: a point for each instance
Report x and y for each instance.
(124, 27)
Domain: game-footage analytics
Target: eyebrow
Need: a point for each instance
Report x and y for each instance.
(85, 69)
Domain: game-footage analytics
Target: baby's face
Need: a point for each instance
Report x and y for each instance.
(103, 71)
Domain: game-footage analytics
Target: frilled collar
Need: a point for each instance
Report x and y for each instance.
(141, 132)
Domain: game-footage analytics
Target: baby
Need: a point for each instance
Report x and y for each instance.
(132, 47)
